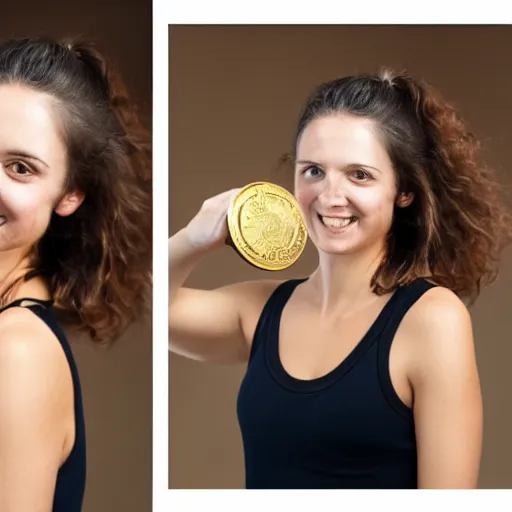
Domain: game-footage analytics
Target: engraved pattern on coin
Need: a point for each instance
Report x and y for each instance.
(266, 226)
(268, 222)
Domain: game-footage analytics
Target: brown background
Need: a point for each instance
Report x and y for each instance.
(116, 383)
(235, 94)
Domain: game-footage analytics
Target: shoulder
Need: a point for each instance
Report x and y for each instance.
(438, 311)
(251, 297)
(31, 359)
(255, 291)
(20, 327)
(36, 406)
(439, 332)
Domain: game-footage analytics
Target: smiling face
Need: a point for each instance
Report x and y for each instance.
(33, 167)
(345, 184)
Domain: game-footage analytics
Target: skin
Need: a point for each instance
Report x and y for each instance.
(342, 170)
(36, 391)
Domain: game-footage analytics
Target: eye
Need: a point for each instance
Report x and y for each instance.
(313, 172)
(20, 169)
(362, 175)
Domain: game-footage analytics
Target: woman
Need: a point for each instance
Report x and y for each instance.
(362, 375)
(75, 253)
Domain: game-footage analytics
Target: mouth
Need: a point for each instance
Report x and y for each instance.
(337, 222)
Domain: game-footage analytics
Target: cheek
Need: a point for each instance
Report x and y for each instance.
(20, 201)
(305, 194)
(375, 201)
(27, 209)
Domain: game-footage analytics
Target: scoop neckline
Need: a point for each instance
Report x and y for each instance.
(292, 383)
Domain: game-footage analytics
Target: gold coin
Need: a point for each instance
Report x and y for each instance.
(266, 227)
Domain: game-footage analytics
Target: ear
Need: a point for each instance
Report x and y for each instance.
(404, 199)
(69, 203)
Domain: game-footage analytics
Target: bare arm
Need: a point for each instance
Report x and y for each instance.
(447, 398)
(34, 407)
(210, 325)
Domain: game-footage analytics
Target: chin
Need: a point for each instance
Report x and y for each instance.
(345, 246)
(338, 249)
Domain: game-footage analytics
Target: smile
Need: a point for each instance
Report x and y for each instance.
(337, 222)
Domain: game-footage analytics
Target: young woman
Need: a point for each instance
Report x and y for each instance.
(75, 252)
(362, 375)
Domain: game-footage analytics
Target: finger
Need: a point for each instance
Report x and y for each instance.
(228, 194)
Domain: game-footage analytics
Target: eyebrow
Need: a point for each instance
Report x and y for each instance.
(310, 162)
(24, 154)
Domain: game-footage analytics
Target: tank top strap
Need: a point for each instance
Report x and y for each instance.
(27, 302)
(273, 307)
(408, 296)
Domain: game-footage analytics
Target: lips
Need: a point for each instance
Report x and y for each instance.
(337, 222)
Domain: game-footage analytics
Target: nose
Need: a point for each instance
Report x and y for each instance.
(335, 191)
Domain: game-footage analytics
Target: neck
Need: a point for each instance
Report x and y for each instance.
(343, 282)
(14, 265)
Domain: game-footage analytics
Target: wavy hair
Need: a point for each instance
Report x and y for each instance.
(454, 231)
(97, 261)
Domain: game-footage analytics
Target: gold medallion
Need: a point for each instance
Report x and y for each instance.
(266, 227)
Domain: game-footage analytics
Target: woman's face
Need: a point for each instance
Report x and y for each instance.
(33, 166)
(344, 184)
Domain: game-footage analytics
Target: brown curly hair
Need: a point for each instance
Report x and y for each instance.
(454, 231)
(97, 261)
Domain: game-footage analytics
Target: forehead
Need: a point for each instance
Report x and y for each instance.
(342, 140)
(27, 122)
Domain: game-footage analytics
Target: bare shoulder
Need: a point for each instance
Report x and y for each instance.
(36, 407)
(439, 329)
(251, 297)
(254, 293)
(438, 311)
(35, 383)
(18, 325)
(29, 347)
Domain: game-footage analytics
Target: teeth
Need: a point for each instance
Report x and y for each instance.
(336, 222)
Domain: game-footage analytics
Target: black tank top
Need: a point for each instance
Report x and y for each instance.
(70, 484)
(345, 430)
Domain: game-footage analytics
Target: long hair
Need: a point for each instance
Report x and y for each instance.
(458, 223)
(97, 261)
